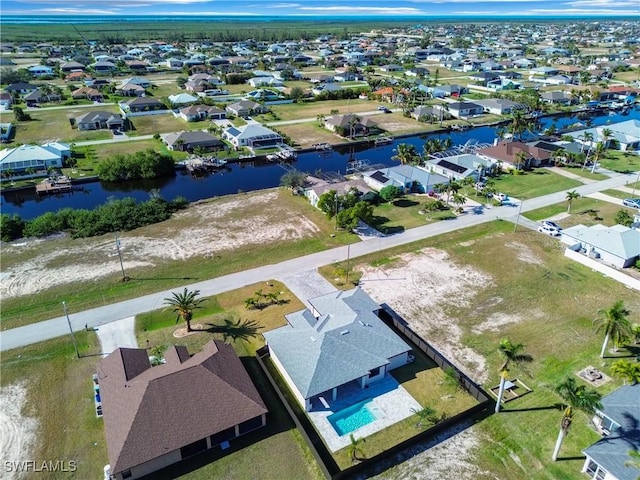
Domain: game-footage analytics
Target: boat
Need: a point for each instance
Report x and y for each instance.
(196, 165)
(383, 141)
(321, 146)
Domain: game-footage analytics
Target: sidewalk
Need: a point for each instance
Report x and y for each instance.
(573, 176)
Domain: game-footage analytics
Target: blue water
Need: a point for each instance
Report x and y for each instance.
(352, 418)
(248, 176)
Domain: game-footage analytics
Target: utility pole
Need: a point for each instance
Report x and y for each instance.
(348, 255)
(124, 276)
(73, 337)
(515, 227)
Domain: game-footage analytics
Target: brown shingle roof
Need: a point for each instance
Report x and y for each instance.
(149, 412)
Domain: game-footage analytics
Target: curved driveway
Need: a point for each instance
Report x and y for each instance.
(55, 327)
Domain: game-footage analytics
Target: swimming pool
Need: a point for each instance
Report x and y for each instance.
(351, 418)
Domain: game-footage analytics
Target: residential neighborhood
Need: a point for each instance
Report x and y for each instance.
(362, 250)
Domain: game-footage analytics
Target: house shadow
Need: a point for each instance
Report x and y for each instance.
(277, 422)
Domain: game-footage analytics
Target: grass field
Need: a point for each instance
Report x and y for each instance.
(404, 213)
(298, 111)
(621, 161)
(165, 123)
(584, 210)
(306, 134)
(533, 183)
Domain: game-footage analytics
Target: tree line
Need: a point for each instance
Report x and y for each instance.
(139, 165)
(113, 216)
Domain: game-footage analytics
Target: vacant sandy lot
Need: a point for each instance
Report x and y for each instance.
(205, 229)
(17, 433)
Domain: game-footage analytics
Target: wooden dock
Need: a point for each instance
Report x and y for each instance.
(50, 185)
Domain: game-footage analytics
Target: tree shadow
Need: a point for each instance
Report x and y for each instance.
(164, 278)
(232, 331)
(577, 457)
(404, 202)
(531, 409)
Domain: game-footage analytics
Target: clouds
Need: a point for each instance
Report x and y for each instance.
(336, 8)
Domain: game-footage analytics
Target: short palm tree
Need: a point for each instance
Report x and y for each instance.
(184, 304)
(405, 154)
(355, 448)
(571, 196)
(615, 324)
(628, 371)
(426, 415)
(575, 397)
(510, 353)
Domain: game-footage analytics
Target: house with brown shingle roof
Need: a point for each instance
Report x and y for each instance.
(157, 416)
(507, 153)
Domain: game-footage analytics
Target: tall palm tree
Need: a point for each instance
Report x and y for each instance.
(510, 353)
(598, 153)
(615, 324)
(575, 397)
(606, 135)
(627, 370)
(184, 304)
(520, 160)
(405, 153)
(355, 448)
(571, 196)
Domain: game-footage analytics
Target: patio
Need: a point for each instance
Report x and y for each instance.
(389, 403)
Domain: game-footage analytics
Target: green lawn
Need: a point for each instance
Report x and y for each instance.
(621, 161)
(404, 213)
(533, 183)
(165, 123)
(295, 111)
(585, 173)
(584, 210)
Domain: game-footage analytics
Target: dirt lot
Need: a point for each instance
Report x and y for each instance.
(213, 226)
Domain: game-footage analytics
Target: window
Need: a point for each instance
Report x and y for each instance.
(126, 474)
(223, 436)
(374, 372)
(249, 425)
(193, 448)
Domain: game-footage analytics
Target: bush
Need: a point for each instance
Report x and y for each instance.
(11, 227)
(147, 164)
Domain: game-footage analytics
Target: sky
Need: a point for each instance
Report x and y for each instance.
(337, 8)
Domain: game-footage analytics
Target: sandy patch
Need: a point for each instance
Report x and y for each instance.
(17, 433)
(524, 253)
(419, 287)
(214, 227)
(496, 320)
(447, 456)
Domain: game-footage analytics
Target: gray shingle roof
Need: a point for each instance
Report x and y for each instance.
(623, 242)
(343, 343)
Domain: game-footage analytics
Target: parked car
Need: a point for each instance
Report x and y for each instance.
(631, 202)
(548, 230)
(551, 224)
(501, 197)
(384, 109)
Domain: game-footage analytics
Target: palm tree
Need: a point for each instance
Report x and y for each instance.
(510, 353)
(571, 196)
(459, 200)
(598, 153)
(615, 324)
(320, 118)
(627, 370)
(520, 160)
(425, 415)
(184, 304)
(355, 448)
(575, 397)
(606, 135)
(405, 153)
(635, 459)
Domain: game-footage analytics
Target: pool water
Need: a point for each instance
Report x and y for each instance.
(351, 418)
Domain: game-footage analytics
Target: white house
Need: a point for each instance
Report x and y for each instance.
(252, 135)
(339, 341)
(618, 246)
(39, 157)
(41, 71)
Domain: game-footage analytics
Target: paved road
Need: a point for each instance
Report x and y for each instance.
(55, 327)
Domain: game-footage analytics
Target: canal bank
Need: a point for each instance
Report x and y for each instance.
(259, 173)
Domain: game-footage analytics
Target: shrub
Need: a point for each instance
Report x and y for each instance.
(11, 227)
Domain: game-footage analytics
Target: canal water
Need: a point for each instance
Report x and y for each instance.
(249, 176)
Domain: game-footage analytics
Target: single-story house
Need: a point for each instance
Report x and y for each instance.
(157, 416)
(41, 71)
(142, 104)
(407, 177)
(182, 99)
(317, 187)
(391, 68)
(143, 82)
(460, 166)
(618, 246)
(202, 112)
(89, 93)
(39, 157)
(189, 141)
(252, 135)
(624, 135)
(465, 109)
(556, 97)
(20, 88)
(500, 106)
(71, 66)
(339, 341)
(618, 421)
(6, 100)
(6, 130)
(325, 88)
(130, 90)
(246, 108)
(104, 67)
(265, 81)
(508, 152)
(350, 125)
(431, 113)
(99, 120)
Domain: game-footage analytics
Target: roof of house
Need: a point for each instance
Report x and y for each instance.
(344, 343)
(623, 132)
(191, 137)
(182, 98)
(243, 105)
(142, 101)
(507, 151)
(150, 411)
(402, 175)
(620, 241)
(98, 116)
(612, 451)
(252, 130)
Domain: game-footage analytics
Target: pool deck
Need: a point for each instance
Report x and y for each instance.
(390, 403)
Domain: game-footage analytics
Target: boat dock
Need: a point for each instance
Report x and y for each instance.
(196, 165)
(383, 141)
(51, 185)
(321, 146)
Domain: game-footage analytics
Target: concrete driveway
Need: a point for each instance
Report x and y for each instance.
(120, 333)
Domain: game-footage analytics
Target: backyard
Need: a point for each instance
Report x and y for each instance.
(533, 183)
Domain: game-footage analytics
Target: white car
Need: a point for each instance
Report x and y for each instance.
(551, 224)
(549, 230)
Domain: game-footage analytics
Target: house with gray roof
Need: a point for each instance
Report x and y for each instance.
(157, 416)
(623, 135)
(38, 157)
(190, 140)
(99, 120)
(252, 135)
(407, 177)
(458, 167)
(619, 422)
(618, 246)
(340, 341)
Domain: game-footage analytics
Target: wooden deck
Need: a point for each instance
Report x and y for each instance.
(53, 186)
